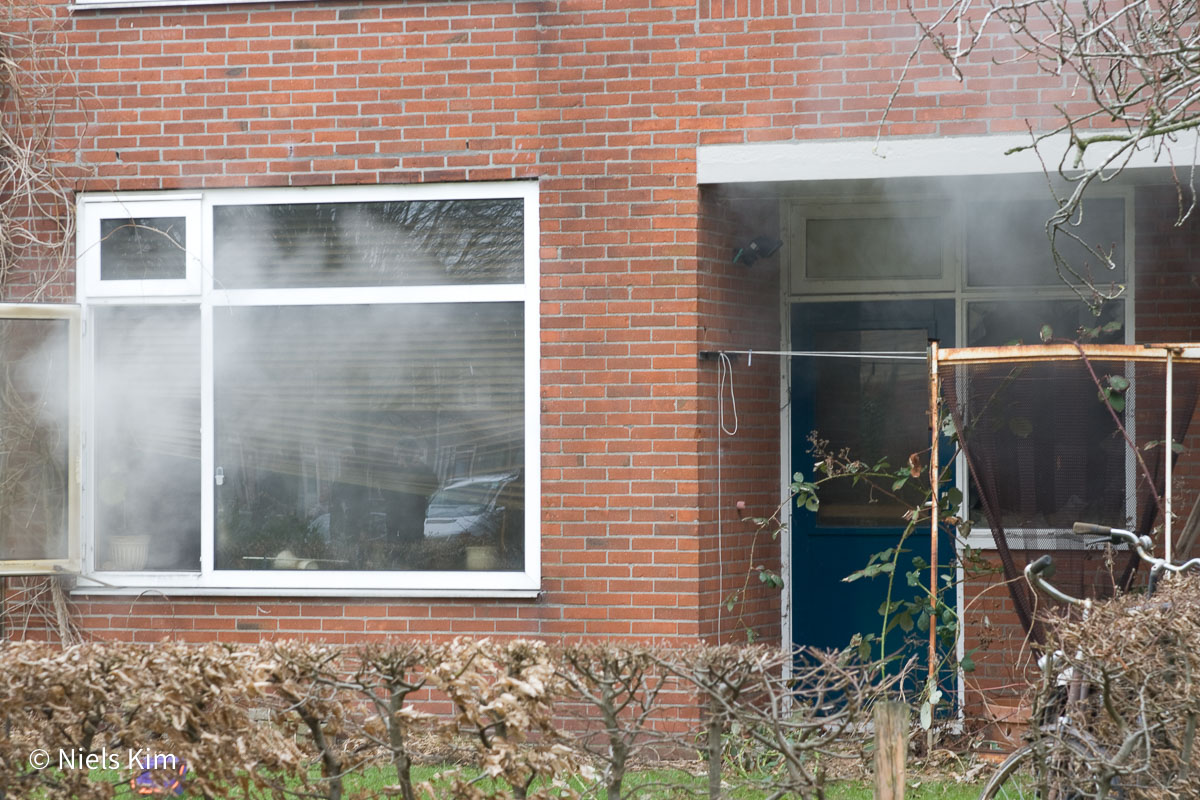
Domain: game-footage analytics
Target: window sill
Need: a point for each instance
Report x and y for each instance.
(1030, 539)
(274, 591)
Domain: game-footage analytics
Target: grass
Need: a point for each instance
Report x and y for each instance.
(659, 784)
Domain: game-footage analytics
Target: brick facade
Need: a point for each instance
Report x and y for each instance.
(604, 102)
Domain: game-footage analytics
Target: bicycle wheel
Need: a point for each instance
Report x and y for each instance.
(1027, 775)
(1015, 778)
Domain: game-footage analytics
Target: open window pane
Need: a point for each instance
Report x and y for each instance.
(35, 440)
(399, 243)
(376, 437)
(147, 462)
(143, 249)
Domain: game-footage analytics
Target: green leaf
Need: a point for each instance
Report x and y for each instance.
(914, 578)
(1118, 383)
(905, 621)
(1117, 402)
(967, 663)
(1111, 327)
(1021, 427)
(948, 428)
(887, 608)
(955, 496)
(812, 503)
(926, 715)
(899, 484)
(1046, 333)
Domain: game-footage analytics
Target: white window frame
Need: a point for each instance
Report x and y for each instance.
(210, 297)
(801, 213)
(93, 211)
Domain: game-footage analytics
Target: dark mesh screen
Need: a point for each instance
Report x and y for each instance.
(1044, 451)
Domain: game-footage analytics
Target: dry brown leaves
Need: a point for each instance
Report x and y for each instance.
(1134, 734)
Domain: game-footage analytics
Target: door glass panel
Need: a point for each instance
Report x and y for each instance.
(34, 439)
(147, 502)
(874, 410)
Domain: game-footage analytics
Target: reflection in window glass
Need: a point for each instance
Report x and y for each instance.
(143, 249)
(378, 437)
(369, 244)
(34, 365)
(147, 461)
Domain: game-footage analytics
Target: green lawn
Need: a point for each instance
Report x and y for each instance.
(664, 784)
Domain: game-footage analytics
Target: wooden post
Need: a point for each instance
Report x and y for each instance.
(891, 749)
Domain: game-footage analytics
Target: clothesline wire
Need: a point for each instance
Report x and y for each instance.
(867, 355)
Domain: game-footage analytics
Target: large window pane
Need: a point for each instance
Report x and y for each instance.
(369, 244)
(147, 498)
(379, 437)
(1049, 445)
(1007, 244)
(34, 446)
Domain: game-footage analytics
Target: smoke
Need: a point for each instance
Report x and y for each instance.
(147, 462)
(369, 244)
(34, 445)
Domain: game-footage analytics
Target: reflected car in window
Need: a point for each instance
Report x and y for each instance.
(478, 506)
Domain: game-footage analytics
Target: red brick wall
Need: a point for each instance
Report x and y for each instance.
(739, 310)
(604, 102)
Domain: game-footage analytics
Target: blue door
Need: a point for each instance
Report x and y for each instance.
(874, 409)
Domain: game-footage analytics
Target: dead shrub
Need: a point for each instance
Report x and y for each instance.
(1134, 734)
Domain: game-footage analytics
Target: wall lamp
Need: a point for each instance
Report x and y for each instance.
(756, 248)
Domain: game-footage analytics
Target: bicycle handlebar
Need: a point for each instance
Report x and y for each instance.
(1037, 571)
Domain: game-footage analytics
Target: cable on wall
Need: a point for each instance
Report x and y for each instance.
(724, 374)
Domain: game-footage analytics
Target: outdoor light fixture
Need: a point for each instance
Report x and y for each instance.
(758, 247)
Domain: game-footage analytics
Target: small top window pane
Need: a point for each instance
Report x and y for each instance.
(369, 244)
(143, 249)
(1007, 243)
(871, 249)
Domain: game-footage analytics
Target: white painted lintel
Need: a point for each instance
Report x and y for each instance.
(894, 157)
